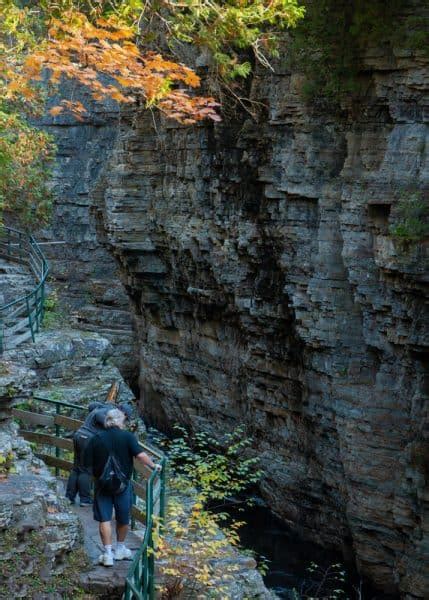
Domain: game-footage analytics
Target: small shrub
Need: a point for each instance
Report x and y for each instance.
(6, 464)
(412, 224)
(196, 557)
(218, 468)
(52, 317)
(327, 583)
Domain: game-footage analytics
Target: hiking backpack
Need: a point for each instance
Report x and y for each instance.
(112, 480)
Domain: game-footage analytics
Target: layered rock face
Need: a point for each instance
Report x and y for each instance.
(37, 530)
(268, 291)
(41, 551)
(91, 295)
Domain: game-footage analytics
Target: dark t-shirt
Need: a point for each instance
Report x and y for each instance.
(123, 444)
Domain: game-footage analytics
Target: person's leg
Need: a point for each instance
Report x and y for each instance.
(85, 474)
(121, 532)
(103, 511)
(84, 486)
(122, 503)
(105, 529)
(71, 489)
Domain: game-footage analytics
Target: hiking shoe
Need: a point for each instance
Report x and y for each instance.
(123, 553)
(86, 504)
(106, 559)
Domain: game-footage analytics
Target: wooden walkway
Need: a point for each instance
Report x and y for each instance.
(105, 581)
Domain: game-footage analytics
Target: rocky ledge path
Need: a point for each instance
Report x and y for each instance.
(99, 580)
(15, 281)
(45, 544)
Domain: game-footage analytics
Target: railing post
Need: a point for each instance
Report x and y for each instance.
(18, 245)
(30, 320)
(162, 496)
(151, 566)
(150, 548)
(134, 478)
(42, 300)
(1, 333)
(36, 306)
(57, 434)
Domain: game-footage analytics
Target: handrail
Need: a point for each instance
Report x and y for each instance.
(140, 579)
(21, 318)
(60, 402)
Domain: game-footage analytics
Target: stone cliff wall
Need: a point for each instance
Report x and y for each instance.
(267, 290)
(41, 538)
(91, 294)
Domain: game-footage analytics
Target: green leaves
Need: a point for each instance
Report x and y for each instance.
(219, 469)
(25, 156)
(328, 46)
(412, 223)
(225, 29)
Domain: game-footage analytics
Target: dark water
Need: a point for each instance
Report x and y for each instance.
(290, 559)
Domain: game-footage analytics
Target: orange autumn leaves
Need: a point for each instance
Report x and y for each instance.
(104, 57)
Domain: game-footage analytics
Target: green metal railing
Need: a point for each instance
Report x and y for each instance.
(20, 319)
(140, 581)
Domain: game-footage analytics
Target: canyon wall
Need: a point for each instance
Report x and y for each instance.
(265, 288)
(91, 296)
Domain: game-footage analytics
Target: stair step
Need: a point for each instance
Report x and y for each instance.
(17, 280)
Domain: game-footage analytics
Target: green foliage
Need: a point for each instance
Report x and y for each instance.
(25, 157)
(6, 464)
(327, 583)
(52, 317)
(328, 45)
(225, 29)
(25, 152)
(197, 554)
(218, 468)
(412, 223)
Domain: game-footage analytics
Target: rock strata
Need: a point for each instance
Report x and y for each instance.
(91, 294)
(71, 365)
(268, 290)
(37, 529)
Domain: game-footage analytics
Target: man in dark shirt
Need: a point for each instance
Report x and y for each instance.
(125, 447)
(80, 478)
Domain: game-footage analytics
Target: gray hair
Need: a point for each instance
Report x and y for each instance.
(114, 418)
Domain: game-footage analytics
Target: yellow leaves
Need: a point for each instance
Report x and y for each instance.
(93, 52)
(56, 110)
(131, 49)
(125, 81)
(76, 108)
(14, 86)
(200, 553)
(171, 571)
(33, 62)
(28, 93)
(118, 96)
(120, 31)
(204, 575)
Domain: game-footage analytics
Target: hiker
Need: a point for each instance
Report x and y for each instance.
(110, 453)
(80, 478)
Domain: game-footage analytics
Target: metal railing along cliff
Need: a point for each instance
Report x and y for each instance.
(140, 581)
(20, 319)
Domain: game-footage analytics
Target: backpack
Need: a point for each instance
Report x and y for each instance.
(112, 480)
(81, 440)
